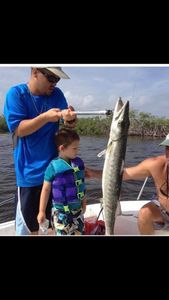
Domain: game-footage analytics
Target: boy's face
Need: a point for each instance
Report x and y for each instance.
(71, 151)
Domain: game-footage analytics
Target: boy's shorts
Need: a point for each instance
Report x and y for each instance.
(68, 224)
(27, 208)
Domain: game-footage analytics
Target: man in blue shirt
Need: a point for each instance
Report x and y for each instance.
(32, 112)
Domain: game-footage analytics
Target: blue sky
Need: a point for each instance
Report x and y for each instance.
(98, 87)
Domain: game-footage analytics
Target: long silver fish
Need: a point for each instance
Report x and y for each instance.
(114, 162)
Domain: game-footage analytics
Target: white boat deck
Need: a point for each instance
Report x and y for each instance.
(126, 222)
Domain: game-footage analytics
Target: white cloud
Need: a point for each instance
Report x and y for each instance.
(88, 101)
(79, 102)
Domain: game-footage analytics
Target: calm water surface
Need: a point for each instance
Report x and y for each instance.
(137, 150)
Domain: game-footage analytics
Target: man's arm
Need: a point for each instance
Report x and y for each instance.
(138, 172)
(27, 127)
(44, 198)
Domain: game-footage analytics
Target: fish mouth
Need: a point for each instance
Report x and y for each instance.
(120, 110)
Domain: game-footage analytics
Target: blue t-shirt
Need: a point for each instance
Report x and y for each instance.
(32, 153)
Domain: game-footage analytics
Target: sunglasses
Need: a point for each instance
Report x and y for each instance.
(50, 78)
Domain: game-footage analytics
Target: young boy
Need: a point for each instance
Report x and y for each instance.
(65, 177)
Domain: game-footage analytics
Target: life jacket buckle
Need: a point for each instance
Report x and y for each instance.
(78, 182)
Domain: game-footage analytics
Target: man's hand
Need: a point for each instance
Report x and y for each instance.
(91, 173)
(53, 115)
(68, 114)
(70, 117)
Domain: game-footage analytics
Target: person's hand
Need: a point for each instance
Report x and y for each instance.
(41, 217)
(68, 114)
(71, 108)
(89, 173)
(53, 114)
(70, 117)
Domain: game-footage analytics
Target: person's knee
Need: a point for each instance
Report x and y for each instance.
(145, 214)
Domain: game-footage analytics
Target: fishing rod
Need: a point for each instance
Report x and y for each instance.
(107, 112)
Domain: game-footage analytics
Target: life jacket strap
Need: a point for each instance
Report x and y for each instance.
(76, 169)
(78, 182)
(80, 195)
(66, 209)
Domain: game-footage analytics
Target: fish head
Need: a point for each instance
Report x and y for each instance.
(120, 121)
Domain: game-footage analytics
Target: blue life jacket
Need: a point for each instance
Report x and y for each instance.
(68, 187)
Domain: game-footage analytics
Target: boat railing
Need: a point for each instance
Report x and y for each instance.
(141, 191)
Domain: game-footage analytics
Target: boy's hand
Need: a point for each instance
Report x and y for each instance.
(84, 205)
(41, 217)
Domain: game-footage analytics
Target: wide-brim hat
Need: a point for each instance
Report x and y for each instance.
(58, 72)
(166, 141)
